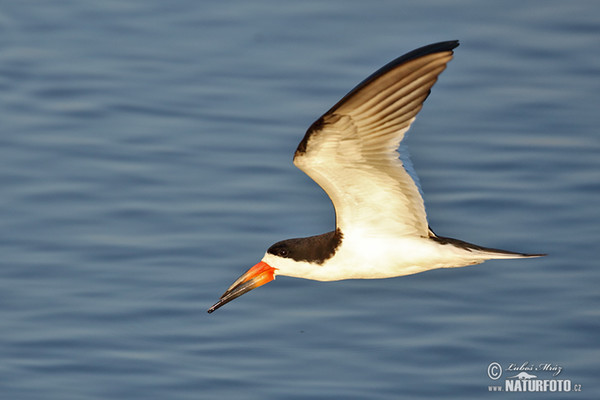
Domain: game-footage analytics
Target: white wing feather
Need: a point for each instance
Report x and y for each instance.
(351, 150)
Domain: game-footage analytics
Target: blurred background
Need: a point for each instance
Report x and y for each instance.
(145, 163)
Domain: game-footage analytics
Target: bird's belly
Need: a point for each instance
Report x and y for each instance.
(387, 258)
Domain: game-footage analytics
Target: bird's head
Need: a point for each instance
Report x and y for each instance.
(278, 255)
(299, 258)
(282, 258)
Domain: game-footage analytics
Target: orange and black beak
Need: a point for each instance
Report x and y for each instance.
(256, 276)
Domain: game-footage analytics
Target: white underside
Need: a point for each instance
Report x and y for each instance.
(377, 257)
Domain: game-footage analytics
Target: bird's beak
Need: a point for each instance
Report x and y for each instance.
(256, 276)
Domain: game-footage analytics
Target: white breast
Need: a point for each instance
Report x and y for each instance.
(364, 257)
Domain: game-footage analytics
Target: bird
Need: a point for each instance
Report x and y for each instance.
(351, 152)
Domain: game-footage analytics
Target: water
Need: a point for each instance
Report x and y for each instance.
(145, 162)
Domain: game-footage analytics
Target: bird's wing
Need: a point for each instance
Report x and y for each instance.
(351, 151)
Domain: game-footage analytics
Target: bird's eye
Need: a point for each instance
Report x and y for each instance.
(283, 252)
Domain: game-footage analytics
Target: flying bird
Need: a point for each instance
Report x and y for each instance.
(351, 152)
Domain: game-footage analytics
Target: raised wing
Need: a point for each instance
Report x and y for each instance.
(351, 151)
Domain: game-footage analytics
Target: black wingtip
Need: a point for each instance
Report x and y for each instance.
(411, 55)
(470, 246)
(438, 47)
(442, 46)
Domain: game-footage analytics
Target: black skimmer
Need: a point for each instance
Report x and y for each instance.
(351, 152)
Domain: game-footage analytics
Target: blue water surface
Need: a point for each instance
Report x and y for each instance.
(145, 162)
